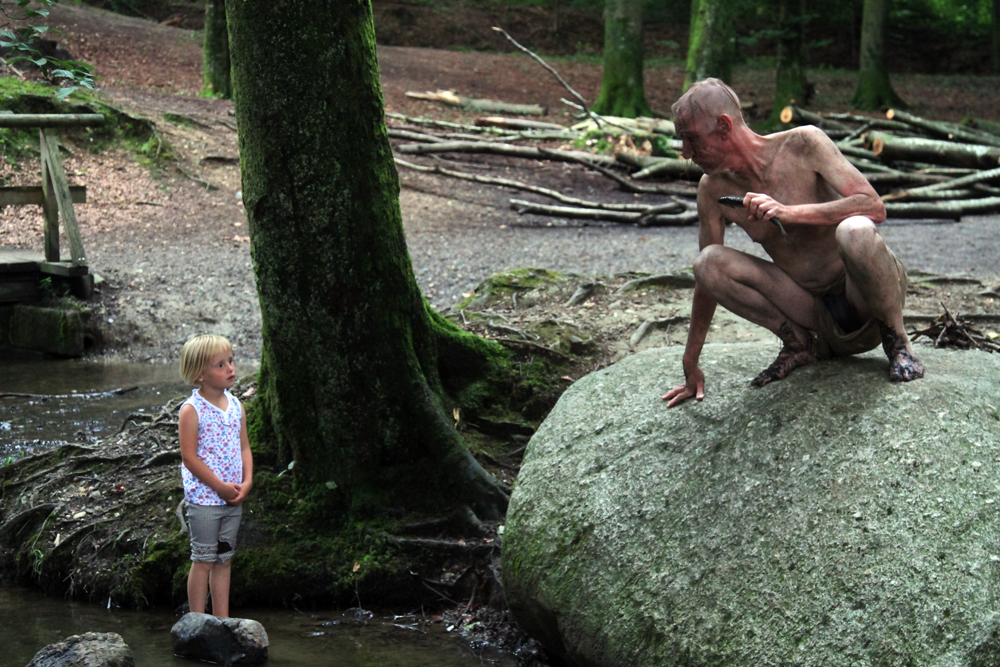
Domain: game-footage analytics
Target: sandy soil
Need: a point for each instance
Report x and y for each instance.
(174, 253)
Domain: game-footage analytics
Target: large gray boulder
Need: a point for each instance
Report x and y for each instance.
(832, 518)
(92, 649)
(226, 641)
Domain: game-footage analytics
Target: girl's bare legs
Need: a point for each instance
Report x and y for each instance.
(219, 583)
(197, 586)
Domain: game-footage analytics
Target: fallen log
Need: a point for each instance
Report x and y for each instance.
(952, 184)
(518, 185)
(797, 116)
(679, 220)
(690, 170)
(419, 120)
(626, 184)
(395, 133)
(672, 167)
(889, 148)
(503, 149)
(949, 210)
(473, 104)
(516, 123)
(950, 131)
(873, 123)
(895, 179)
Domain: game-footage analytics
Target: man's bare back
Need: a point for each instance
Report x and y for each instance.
(831, 250)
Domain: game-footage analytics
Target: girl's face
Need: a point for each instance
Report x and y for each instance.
(221, 372)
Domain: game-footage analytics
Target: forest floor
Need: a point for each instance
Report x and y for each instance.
(171, 243)
(171, 240)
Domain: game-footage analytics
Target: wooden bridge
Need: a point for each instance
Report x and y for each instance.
(21, 271)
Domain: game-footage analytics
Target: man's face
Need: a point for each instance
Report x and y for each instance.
(703, 142)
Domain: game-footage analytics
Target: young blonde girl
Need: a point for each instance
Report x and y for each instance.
(216, 467)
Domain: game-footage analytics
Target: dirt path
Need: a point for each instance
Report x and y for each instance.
(175, 254)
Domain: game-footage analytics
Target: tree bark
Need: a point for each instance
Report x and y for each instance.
(790, 78)
(889, 148)
(216, 75)
(712, 43)
(995, 35)
(622, 89)
(357, 371)
(874, 90)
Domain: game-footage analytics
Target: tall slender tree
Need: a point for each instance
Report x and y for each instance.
(712, 41)
(874, 90)
(357, 371)
(995, 34)
(215, 51)
(790, 78)
(622, 90)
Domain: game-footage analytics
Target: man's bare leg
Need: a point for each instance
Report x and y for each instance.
(762, 293)
(873, 287)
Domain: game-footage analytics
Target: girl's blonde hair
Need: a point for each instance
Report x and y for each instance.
(198, 352)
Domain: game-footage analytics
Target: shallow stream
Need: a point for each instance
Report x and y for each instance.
(306, 639)
(75, 400)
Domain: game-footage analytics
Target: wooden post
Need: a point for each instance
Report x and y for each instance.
(50, 209)
(64, 201)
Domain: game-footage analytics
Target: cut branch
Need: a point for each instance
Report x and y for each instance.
(682, 219)
(545, 192)
(554, 73)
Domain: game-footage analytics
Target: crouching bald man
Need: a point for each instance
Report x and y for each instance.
(832, 287)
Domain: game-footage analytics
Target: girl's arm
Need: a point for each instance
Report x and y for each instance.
(188, 432)
(247, 456)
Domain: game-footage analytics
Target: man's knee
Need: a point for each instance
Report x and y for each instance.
(710, 265)
(856, 235)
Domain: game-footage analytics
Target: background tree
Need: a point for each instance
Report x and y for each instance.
(790, 78)
(874, 90)
(712, 42)
(216, 67)
(622, 90)
(995, 35)
(358, 374)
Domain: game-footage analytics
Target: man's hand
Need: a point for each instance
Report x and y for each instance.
(694, 386)
(762, 207)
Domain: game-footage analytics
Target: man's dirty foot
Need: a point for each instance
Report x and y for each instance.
(795, 353)
(903, 366)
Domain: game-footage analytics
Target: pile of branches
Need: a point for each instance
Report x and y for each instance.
(533, 140)
(922, 168)
(948, 331)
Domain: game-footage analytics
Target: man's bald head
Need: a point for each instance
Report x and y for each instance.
(708, 98)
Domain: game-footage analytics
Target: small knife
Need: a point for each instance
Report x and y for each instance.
(737, 202)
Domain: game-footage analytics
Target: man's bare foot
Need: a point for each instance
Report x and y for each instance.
(903, 366)
(795, 353)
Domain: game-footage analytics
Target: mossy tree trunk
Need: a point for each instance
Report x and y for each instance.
(874, 91)
(712, 42)
(622, 90)
(216, 75)
(995, 34)
(790, 78)
(358, 375)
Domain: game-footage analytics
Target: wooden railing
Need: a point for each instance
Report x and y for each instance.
(55, 194)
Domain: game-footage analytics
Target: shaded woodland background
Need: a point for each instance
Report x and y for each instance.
(925, 36)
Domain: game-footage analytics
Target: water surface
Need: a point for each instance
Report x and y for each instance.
(297, 639)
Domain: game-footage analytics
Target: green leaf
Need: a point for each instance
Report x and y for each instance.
(39, 61)
(63, 73)
(9, 34)
(63, 93)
